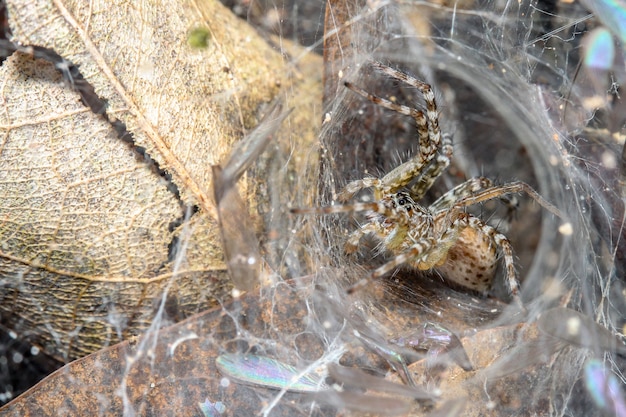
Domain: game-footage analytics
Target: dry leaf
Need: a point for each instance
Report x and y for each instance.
(169, 373)
(85, 233)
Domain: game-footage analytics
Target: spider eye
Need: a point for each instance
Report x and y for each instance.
(403, 199)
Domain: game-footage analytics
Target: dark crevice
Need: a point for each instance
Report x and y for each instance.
(5, 29)
(23, 366)
(172, 248)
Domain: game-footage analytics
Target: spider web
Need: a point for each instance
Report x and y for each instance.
(513, 93)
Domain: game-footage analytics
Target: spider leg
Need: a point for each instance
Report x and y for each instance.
(432, 114)
(381, 210)
(384, 208)
(404, 173)
(355, 186)
(429, 139)
(355, 237)
(461, 191)
(418, 250)
(434, 144)
(509, 188)
(503, 243)
(507, 250)
(434, 170)
(377, 206)
(428, 148)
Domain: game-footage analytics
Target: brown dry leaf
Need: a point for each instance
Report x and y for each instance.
(84, 226)
(179, 371)
(172, 370)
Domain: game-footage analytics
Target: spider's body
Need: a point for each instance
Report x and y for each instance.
(441, 236)
(466, 257)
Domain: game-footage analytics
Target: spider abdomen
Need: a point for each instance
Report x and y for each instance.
(471, 261)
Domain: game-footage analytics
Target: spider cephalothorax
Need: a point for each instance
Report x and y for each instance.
(442, 235)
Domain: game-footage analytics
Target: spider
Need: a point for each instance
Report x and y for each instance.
(441, 236)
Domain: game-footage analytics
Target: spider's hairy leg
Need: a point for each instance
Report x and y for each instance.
(352, 244)
(340, 208)
(507, 250)
(381, 207)
(404, 173)
(434, 144)
(432, 114)
(510, 188)
(461, 191)
(434, 169)
(428, 147)
(418, 250)
(429, 134)
(355, 186)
